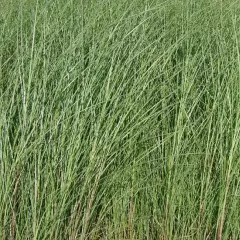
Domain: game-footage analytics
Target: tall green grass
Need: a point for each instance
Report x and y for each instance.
(119, 119)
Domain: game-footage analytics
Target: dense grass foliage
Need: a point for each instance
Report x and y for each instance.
(119, 119)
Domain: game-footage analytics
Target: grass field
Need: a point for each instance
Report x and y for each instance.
(119, 119)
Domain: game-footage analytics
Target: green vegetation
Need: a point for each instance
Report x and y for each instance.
(119, 119)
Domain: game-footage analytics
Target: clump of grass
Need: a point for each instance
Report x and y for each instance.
(119, 120)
